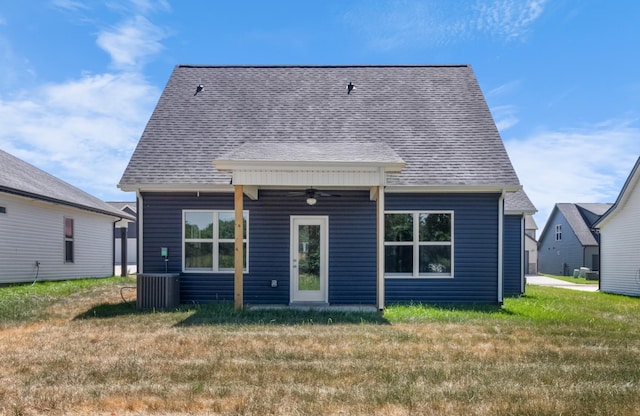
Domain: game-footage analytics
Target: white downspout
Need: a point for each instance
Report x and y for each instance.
(140, 219)
(524, 267)
(500, 246)
(380, 240)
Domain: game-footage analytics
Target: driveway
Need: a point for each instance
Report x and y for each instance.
(548, 281)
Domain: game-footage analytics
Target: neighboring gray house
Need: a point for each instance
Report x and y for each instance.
(131, 234)
(517, 208)
(51, 230)
(619, 231)
(568, 240)
(336, 185)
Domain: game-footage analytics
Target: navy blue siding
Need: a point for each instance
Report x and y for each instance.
(512, 260)
(475, 251)
(162, 227)
(352, 245)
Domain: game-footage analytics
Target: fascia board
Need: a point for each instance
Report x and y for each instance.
(451, 188)
(190, 187)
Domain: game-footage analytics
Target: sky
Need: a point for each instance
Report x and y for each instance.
(80, 78)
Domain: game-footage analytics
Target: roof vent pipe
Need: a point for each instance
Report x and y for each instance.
(350, 87)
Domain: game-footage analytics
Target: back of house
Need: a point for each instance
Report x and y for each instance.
(332, 185)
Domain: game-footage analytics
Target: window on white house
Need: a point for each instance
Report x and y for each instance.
(558, 232)
(68, 240)
(418, 244)
(209, 240)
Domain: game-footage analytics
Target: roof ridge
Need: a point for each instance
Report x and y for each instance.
(323, 66)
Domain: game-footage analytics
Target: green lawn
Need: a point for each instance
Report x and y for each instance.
(77, 348)
(578, 280)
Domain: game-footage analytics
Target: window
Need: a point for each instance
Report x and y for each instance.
(209, 240)
(418, 244)
(558, 232)
(3, 210)
(68, 240)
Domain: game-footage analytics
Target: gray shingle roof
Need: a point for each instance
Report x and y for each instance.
(314, 152)
(579, 223)
(434, 118)
(518, 201)
(20, 178)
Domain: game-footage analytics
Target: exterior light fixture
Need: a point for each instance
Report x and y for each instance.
(311, 200)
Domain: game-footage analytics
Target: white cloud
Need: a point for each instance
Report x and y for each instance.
(504, 116)
(398, 23)
(587, 164)
(132, 42)
(70, 5)
(85, 129)
(510, 19)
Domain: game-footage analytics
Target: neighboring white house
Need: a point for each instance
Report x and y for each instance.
(620, 240)
(131, 233)
(530, 244)
(51, 230)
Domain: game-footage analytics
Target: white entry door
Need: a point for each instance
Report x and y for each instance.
(309, 247)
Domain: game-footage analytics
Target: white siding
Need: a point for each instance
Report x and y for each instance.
(620, 248)
(131, 250)
(34, 231)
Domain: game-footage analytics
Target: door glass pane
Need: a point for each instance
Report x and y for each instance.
(308, 257)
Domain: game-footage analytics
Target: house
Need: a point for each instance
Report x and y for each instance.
(517, 207)
(619, 231)
(50, 229)
(336, 185)
(530, 244)
(129, 230)
(568, 241)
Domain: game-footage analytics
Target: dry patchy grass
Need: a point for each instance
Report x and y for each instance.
(492, 363)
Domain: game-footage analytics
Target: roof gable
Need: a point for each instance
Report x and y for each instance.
(434, 118)
(20, 178)
(580, 222)
(629, 186)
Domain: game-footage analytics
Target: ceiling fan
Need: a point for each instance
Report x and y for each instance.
(311, 194)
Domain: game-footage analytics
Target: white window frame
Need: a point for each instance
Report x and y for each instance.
(215, 240)
(416, 243)
(558, 232)
(70, 239)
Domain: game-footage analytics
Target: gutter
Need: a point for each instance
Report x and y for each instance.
(56, 201)
(501, 246)
(140, 220)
